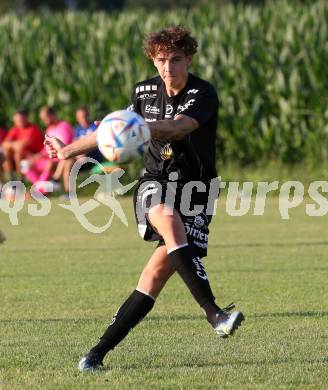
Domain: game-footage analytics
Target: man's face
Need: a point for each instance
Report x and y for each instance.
(172, 67)
(20, 120)
(82, 117)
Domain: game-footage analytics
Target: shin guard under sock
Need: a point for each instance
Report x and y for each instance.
(133, 310)
(191, 270)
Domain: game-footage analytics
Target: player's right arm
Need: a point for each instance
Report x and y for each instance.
(57, 148)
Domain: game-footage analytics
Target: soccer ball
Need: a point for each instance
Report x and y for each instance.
(122, 136)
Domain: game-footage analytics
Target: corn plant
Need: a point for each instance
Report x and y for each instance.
(269, 64)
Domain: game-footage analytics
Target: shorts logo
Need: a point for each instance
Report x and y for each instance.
(196, 233)
(199, 221)
(151, 189)
(166, 152)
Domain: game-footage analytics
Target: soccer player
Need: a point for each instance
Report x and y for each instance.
(181, 110)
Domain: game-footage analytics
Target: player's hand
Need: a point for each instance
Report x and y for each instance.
(54, 147)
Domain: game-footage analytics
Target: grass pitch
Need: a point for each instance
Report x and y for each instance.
(61, 285)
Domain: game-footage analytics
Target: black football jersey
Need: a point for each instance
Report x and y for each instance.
(194, 156)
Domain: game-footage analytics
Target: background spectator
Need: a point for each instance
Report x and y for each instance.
(56, 127)
(85, 127)
(64, 131)
(22, 140)
(2, 134)
(2, 156)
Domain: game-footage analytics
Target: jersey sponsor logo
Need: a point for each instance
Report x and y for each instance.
(150, 119)
(143, 88)
(168, 111)
(166, 152)
(185, 106)
(193, 91)
(147, 96)
(152, 109)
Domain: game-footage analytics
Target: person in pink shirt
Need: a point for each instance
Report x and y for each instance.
(40, 167)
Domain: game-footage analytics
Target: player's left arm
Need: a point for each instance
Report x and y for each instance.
(56, 148)
(173, 129)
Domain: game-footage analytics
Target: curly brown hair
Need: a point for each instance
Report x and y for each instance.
(170, 39)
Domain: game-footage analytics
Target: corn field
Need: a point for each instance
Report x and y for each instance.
(269, 64)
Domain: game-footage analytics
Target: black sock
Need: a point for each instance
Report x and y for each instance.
(192, 271)
(133, 310)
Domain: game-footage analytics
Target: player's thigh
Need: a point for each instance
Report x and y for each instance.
(156, 273)
(168, 224)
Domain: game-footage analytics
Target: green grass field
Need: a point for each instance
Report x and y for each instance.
(60, 286)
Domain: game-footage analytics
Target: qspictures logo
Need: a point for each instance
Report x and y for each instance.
(241, 198)
(108, 187)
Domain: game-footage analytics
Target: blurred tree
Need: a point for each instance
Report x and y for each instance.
(162, 4)
(172, 4)
(11, 5)
(21, 5)
(56, 5)
(51, 4)
(100, 4)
